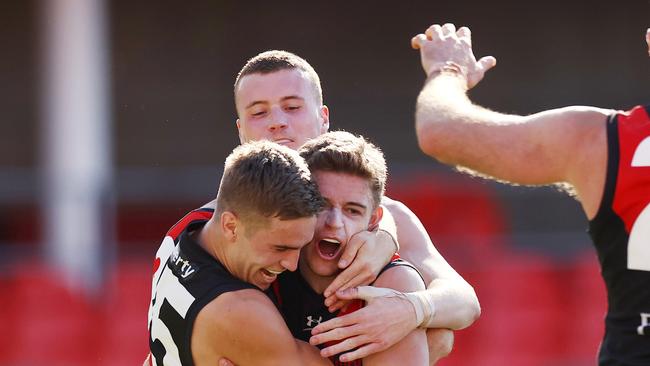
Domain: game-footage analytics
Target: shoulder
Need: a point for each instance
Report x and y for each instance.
(400, 278)
(399, 211)
(239, 314)
(236, 322)
(236, 307)
(585, 140)
(394, 205)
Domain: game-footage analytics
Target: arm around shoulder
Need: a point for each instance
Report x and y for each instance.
(412, 349)
(245, 327)
(456, 303)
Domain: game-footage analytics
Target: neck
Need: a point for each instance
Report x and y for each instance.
(316, 282)
(210, 240)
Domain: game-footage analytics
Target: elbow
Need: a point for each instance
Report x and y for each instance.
(432, 141)
(469, 313)
(473, 310)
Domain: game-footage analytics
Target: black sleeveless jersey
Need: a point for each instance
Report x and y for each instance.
(186, 278)
(621, 233)
(303, 308)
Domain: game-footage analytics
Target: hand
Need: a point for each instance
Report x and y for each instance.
(444, 48)
(385, 320)
(369, 252)
(647, 39)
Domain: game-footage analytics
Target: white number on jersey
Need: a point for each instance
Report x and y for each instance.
(166, 287)
(638, 247)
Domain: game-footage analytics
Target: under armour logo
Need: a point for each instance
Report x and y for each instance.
(311, 322)
(645, 324)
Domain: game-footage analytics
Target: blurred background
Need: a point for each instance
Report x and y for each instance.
(117, 116)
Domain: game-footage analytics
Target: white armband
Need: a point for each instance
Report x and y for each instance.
(424, 307)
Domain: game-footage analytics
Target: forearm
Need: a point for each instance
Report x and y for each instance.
(455, 304)
(452, 300)
(438, 114)
(453, 130)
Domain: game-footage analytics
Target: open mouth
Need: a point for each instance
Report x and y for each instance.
(283, 141)
(270, 274)
(329, 248)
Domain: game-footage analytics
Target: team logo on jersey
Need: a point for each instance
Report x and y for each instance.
(181, 266)
(312, 321)
(644, 328)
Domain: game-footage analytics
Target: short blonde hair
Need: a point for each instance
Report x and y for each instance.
(262, 179)
(275, 60)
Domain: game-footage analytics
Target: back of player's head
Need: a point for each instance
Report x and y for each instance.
(262, 179)
(343, 152)
(272, 61)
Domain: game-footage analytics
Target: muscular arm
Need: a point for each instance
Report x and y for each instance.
(554, 146)
(245, 327)
(561, 145)
(455, 302)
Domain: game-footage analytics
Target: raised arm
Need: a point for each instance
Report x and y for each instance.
(554, 146)
(246, 328)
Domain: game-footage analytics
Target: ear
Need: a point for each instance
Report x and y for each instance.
(325, 115)
(376, 217)
(239, 131)
(229, 224)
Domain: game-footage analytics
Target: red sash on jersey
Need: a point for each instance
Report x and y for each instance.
(634, 181)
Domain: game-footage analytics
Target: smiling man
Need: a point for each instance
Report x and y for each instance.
(281, 105)
(207, 300)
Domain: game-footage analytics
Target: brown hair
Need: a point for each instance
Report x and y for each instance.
(262, 179)
(343, 152)
(275, 60)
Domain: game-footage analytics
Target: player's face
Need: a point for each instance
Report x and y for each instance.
(349, 210)
(271, 250)
(281, 106)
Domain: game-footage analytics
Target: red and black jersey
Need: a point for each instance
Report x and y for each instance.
(303, 308)
(621, 233)
(186, 278)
